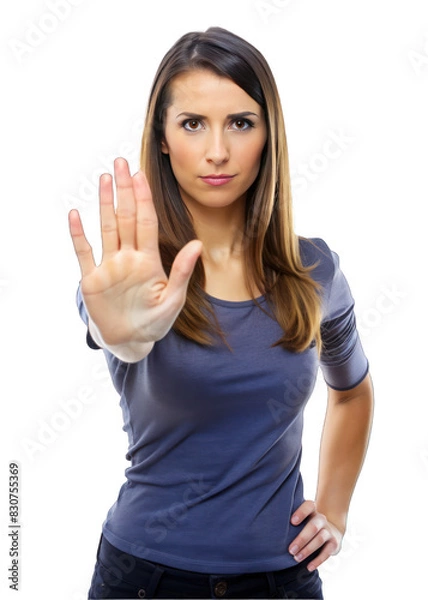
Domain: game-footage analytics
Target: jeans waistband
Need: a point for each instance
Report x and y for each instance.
(134, 570)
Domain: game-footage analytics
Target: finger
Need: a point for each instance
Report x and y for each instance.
(321, 538)
(307, 508)
(313, 527)
(81, 245)
(326, 552)
(182, 269)
(126, 209)
(147, 220)
(109, 233)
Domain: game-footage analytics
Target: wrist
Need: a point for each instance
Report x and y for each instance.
(337, 518)
(338, 523)
(129, 352)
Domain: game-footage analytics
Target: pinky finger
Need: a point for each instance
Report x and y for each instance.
(327, 550)
(81, 245)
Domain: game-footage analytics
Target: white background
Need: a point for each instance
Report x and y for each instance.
(74, 96)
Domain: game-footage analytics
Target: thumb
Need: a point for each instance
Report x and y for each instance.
(183, 266)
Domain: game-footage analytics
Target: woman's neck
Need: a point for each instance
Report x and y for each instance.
(221, 230)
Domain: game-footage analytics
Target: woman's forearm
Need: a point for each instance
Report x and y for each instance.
(343, 447)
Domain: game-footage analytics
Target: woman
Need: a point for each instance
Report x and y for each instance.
(214, 318)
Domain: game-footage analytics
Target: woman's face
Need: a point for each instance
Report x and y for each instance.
(214, 134)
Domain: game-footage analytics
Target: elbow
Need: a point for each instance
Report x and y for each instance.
(363, 392)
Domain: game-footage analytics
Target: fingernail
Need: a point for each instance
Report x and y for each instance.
(311, 568)
(298, 557)
(294, 549)
(295, 520)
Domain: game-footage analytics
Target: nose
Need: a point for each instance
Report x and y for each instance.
(217, 150)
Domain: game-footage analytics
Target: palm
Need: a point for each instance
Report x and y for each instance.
(128, 296)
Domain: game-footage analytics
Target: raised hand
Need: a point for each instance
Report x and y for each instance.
(128, 296)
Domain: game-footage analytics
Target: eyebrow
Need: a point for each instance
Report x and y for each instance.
(239, 115)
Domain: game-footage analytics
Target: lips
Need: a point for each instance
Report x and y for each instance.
(221, 179)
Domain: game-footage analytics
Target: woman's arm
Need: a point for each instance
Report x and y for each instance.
(343, 447)
(129, 352)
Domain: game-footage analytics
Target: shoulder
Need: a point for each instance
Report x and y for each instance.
(336, 294)
(314, 252)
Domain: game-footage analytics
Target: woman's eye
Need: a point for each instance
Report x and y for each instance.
(237, 125)
(191, 125)
(242, 124)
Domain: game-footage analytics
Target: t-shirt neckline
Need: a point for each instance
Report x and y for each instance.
(234, 303)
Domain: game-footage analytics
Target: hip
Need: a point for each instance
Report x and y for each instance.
(118, 574)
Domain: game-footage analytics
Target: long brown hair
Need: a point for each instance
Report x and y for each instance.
(271, 248)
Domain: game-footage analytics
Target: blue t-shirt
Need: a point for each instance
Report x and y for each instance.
(215, 436)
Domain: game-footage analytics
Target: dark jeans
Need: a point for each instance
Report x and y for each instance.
(121, 575)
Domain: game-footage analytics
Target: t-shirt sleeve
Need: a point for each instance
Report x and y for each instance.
(343, 361)
(85, 319)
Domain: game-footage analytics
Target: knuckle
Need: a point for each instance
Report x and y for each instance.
(125, 213)
(325, 535)
(322, 519)
(108, 227)
(83, 252)
(146, 221)
(315, 527)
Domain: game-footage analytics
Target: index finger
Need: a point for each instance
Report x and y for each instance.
(307, 508)
(147, 220)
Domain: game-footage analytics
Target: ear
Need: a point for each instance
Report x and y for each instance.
(164, 147)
